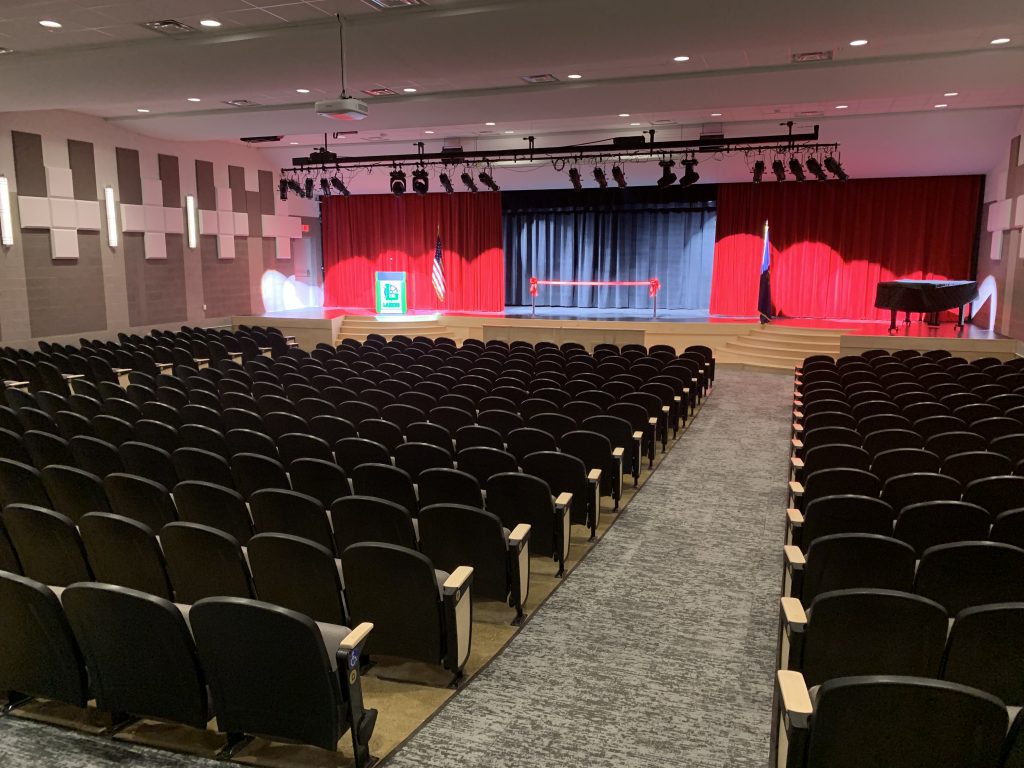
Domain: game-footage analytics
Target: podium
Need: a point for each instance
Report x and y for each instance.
(390, 293)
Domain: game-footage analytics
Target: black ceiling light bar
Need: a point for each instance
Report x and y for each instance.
(788, 143)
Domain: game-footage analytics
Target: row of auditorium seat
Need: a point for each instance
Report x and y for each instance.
(901, 634)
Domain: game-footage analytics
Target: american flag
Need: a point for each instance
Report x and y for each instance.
(437, 271)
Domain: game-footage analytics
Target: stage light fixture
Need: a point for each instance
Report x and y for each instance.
(815, 168)
(192, 221)
(468, 181)
(796, 169)
(574, 177)
(779, 170)
(420, 181)
(758, 171)
(619, 176)
(398, 182)
(282, 189)
(325, 187)
(690, 175)
(600, 178)
(293, 185)
(446, 183)
(835, 168)
(111, 209)
(339, 185)
(667, 177)
(309, 187)
(6, 224)
(487, 181)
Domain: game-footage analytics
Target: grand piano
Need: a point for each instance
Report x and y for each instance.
(927, 296)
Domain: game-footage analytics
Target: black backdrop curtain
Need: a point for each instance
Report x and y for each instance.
(611, 234)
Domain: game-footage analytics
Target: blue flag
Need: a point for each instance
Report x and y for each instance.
(764, 293)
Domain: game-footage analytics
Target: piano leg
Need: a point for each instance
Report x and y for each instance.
(960, 317)
(906, 319)
(892, 320)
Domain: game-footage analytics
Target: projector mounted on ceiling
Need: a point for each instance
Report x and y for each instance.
(344, 107)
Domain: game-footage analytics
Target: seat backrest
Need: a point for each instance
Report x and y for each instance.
(845, 513)
(124, 552)
(931, 523)
(199, 465)
(996, 494)
(38, 652)
(295, 696)
(872, 632)
(518, 498)
(416, 458)
(21, 484)
(859, 721)
(483, 462)
(204, 562)
(385, 481)
(449, 486)
(564, 473)
(325, 481)
(252, 472)
(215, 506)
(297, 574)
(984, 645)
(73, 491)
(396, 589)
(131, 639)
(840, 480)
(857, 561)
(47, 545)
(279, 511)
(916, 487)
(359, 518)
(452, 535)
(967, 574)
(350, 452)
(139, 499)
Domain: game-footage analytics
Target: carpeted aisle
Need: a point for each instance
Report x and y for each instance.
(660, 647)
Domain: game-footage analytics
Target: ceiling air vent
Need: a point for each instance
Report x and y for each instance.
(390, 5)
(810, 113)
(241, 103)
(533, 79)
(169, 27)
(380, 92)
(260, 139)
(663, 121)
(803, 58)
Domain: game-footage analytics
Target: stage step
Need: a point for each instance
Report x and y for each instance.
(780, 347)
(360, 326)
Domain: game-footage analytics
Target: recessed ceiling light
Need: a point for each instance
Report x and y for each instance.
(429, 132)
(634, 124)
(56, 24)
(140, 109)
(951, 93)
(574, 77)
(941, 106)
(192, 99)
(6, 50)
(293, 142)
(488, 123)
(716, 114)
(681, 58)
(302, 90)
(997, 41)
(509, 131)
(209, 23)
(842, 106)
(409, 90)
(858, 43)
(623, 114)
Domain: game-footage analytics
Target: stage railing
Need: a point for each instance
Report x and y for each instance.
(653, 286)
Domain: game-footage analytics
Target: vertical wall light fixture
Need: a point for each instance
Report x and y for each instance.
(190, 221)
(111, 208)
(6, 225)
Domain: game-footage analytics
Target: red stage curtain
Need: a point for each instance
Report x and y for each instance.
(364, 234)
(832, 242)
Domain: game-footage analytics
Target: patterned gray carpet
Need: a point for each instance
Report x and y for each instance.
(660, 647)
(658, 650)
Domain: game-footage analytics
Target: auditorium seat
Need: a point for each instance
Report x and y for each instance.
(359, 518)
(841, 513)
(38, 652)
(449, 486)
(21, 484)
(47, 545)
(417, 613)
(916, 487)
(518, 498)
(46, 448)
(275, 510)
(385, 481)
(204, 562)
(848, 561)
(125, 552)
(453, 534)
(350, 452)
(969, 573)
(298, 574)
(985, 650)
(213, 505)
(996, 494)
(325, 481)
(73, 491)
(565, 473)
(931, 523)
(252, 472)
(298, 695)
(195, 464)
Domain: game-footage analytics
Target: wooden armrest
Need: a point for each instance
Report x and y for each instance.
(264, 349)
(798, 427)
(793, 614)
(794, 557)
(352, 640)
(165, 366)
(519, 534)
(794, 517)
(15, 384)
(678, 398)
(289, 338)
(797, 462)
(459, 577)
(666, 408)
(796, 701)
(594, 475)
(797, 443)
(618, 453)
(564, 500)
(796, 488)
(638, 435)
(70, 376)
(121, 371)
(202, 359)
(686, 390)
(653, 421)
(798, 414)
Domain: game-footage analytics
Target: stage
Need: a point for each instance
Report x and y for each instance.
(741, 341)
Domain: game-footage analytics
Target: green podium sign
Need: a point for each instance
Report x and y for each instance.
(390, 293)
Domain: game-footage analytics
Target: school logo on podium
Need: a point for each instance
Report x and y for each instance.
(391, 293)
